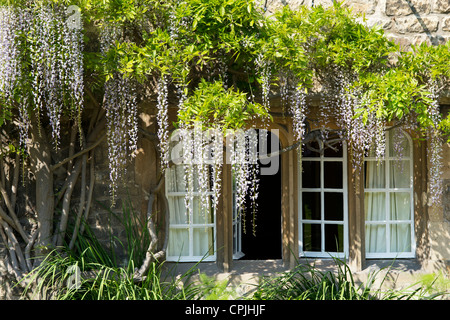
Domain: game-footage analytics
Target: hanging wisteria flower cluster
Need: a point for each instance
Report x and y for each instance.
(298, 111)
(163, 120)
(120, 103)
(264, 70)
(11, 21)
(56, 64)
(121, 116)
(435, 148)
(200, 152)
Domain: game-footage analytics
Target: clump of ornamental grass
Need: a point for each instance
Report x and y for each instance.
(308, 282)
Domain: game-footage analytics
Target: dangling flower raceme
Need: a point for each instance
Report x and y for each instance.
(39, 51)
(120, 103)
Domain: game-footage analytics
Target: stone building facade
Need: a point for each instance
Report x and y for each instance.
(408, 22)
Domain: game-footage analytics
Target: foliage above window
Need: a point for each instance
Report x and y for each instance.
(222, 59)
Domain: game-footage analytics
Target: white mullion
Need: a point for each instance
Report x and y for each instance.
(345, 195)
(191, 231)
(322, 205)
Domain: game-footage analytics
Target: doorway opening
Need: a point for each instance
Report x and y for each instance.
(262, 237)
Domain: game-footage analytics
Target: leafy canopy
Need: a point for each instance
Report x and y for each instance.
(198, 42)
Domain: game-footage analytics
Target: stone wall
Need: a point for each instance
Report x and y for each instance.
(407, 22)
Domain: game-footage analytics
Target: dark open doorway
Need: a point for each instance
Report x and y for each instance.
(264, 240)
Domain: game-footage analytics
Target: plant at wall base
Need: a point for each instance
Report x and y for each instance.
(435, 283)
(308, 282)
(91, 270)
(219, 62)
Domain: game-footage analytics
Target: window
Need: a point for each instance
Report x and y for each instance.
(323, 201)
(191, 232)
(388, 200)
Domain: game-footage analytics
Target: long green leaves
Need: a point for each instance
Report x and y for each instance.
(308, 282)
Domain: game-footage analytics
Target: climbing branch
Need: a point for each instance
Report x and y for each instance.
(150, 254)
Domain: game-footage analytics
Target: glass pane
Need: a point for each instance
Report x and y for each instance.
(311, 150)
(203, 241)
(375, 238)
(310, 174)
(311, 205)
(203, 215)
(334, 206)
(375, 206)
(311, 237)
(338, 153)
(400, 238)
(374, 175)
(398, 144)
(175, 179)
(334, 238)
(178, 243)
(178, 212)
(332, 174)
(400, 206)
(399, 172)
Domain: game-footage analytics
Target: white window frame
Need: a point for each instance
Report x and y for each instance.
(344, 190)
(190, 227)
(387, 190)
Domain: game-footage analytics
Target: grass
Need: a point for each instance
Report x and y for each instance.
(91, 272)
(307, 282)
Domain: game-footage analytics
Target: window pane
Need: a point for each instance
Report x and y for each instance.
(178, 212)
(328, 152)
(374, 175)
(334, 206)
(203, 241)
(311, 237)
(334, 238)
(203, 216)
(400, 206)
(375, 238)
(175, 179)
(311, 205)
(399, 172)
(178, 242)
(310, 174)
(332, 174)
(375, 206)
(398, 144)
(400, 238)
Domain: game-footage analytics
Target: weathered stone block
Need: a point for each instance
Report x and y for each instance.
(361, 6)
(441, 6)
(407, 7)
(446, 24)
(403, 42)
(386, 24)
(416, 24)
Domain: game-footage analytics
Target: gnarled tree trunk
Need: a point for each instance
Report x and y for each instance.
(40, 165)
